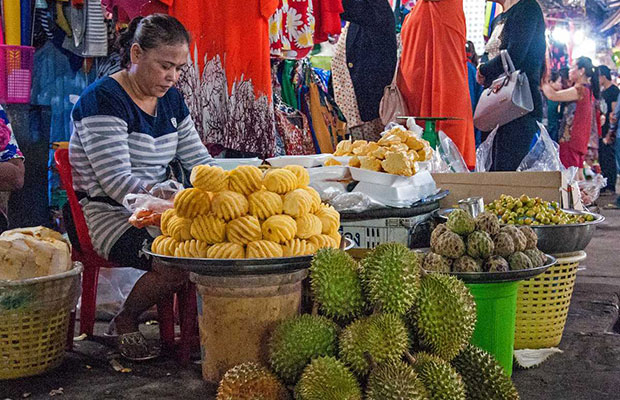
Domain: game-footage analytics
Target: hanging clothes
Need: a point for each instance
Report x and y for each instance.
(291, 29)
(433, 70)
(327, 16)
(126, 10)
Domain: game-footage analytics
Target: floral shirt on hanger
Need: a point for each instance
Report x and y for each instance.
(291, 29)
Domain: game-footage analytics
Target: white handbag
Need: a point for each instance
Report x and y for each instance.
(393, 103)
(509, 97)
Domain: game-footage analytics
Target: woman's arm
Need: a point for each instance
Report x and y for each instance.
(190, 150)
(563, 96)
(12, 175)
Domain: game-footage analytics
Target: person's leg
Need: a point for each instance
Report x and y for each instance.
(607, 159)
(153, 286)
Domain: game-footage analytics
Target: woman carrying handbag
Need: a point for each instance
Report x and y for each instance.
(520, 30)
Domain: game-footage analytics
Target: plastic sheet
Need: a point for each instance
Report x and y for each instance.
(113, 288)
(591, 189)
(146, 208)
(450, 154)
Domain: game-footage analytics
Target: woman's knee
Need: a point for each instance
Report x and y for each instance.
(171, 276)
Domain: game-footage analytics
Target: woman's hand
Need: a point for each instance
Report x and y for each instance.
(480, 78)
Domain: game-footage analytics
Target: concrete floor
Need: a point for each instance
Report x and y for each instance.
(588, 368)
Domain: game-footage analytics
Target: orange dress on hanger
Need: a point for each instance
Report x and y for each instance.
(433, 70)
(237, 31)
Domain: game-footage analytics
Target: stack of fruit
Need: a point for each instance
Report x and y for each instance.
(395, 153)
(386, 330)
(533, 211)
(244, 213)
(466, 244)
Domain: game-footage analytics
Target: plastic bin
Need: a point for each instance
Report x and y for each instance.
(543, 302)
(16, 65)
(496, 305)
(34, 319)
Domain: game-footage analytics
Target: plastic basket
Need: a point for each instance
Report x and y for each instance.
(543, 302)
(16, 65)
(34, 319)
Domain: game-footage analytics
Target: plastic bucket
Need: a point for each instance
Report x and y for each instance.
(238, 313)
(496, 305)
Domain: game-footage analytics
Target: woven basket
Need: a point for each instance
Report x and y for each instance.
(543, 302)
(34, 319)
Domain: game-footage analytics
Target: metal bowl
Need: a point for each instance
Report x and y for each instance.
(554, 239)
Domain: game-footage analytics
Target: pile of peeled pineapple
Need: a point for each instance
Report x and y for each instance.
(245, 213)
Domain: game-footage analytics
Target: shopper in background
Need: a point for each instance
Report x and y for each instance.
(607, 151)
(577, 122)
(520, 30)
(11, 167)
(554, 108)
(475, 89)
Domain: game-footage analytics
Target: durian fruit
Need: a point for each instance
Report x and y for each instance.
(280, 180)
(488, 222)
(209, 178)
(445, 315)
(245, 179)
(504, 245)
(251, 381)
(297, 247)
(297, 203)
(395, 380)
(536, 256)
(316, 198)
(180, 228)
(381, 338)
(440, 379)
(164, 245)
(461, 222)
(330, 220)
(450, 244)
(480, 245)
(226, 250)
(391, 276)
(518, 238)
(208, 228)
(326, 378)
(323, 242)
(190, 203)
(263, 249)
(264, 204)
(484, 378)
(530, 236)
(466, 264)
(434, 262)
(308, 225)
(279, 228)
(438, 231)
(244, 230)
(496, 264)
(297, 341)
(192, 249)
(229, 205)
(166, 216)
(519, 261)
(336, 285)
(303, 178)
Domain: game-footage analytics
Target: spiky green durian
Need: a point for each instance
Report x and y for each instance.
(441, 381)
(395, 380)
(484, 378)
(336, 284)
(295, 342)
(391, 276)
(445, 315)
(327, 378)
(380, 338)
(251, 381)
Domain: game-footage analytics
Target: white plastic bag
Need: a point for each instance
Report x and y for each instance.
(484, 153)
(113, 288)
(146, 208)
(544, 155)
(450, 154)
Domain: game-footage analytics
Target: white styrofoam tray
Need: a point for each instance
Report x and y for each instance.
(344, 160)
(232, 163)
(331, 173)
(307, 161)
(420, 186)
(379, 178)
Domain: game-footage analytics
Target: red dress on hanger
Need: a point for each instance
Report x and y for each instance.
(433, 70)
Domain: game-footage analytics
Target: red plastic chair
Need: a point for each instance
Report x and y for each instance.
(186, 298)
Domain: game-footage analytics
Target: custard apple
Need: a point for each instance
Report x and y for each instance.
(519, 261)
(450, 245)
(504, 245)
(461, 222)
(530, 236)
(467, 264)
(480, 245)
(496, 264)
(488, 222)
(437, 263)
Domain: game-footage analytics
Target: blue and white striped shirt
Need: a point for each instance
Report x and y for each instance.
(116, 148)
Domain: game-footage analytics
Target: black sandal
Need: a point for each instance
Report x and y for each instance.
(134, 346)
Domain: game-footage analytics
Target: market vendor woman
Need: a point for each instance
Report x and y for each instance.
(128, 128)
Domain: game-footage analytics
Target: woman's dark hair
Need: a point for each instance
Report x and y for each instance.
(592, 73)
(470, 49)
(603, 70)
(149, 33)
(555, 74)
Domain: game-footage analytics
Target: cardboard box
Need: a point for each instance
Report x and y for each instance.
(490, 185)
